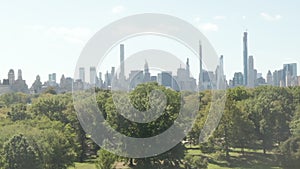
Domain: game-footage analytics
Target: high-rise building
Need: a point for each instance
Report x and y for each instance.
(245, 55)
(147, 75)
(269, 78)
(136, 77)
(122, 64)
(82, 74)
(290, 74)
(238, 79)
(11, 77)
(52, 78)
(201, 68)
(165, 78)
(278, 78)
(113, 72)
(93, 75)
(220, 77)
(250, 78)
(20, 74)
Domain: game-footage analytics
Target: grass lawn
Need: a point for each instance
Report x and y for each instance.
(253, 159)
(86, 165)
(213, 166)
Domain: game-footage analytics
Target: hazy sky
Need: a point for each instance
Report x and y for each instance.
(42, 37)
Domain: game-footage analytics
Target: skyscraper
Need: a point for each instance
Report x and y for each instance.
(187, 66)
(290, 73)
(238, 79)
(269, 78)
(122, 66)
(19, 74)
(220, 74)
(146, 72)
(82, 74)
(93, 75)
(201, 69)
(11, 77)
(245, 55)
(251, 80)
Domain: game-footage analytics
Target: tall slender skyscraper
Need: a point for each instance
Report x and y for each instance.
(82, 74)
(221, 84)
(251, 80)
(245, 54)
(93, 75)
(122, 67)
(187, 67)
(201, 69)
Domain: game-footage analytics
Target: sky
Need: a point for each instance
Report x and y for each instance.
(43, 37)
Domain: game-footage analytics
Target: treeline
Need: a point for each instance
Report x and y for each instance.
(42, 131)
(264, 118)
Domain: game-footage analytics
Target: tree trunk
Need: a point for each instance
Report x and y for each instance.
(130, 162)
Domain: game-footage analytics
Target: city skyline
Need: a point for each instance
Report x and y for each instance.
(52, 42)
(182, 80)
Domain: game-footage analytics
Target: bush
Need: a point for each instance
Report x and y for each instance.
(106, 160)
(290, 150)
(195, 162)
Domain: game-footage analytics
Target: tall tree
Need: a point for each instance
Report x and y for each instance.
(19, 154)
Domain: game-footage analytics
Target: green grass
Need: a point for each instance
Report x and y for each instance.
(86, 165)
(259, 166)
(253, 159)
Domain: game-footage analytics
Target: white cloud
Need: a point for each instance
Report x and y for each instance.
(219, 17)
(269, 17)
(118, 9)
(77, 35)
(209, 27)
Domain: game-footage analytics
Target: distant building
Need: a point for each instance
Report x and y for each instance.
(238, 79)
(52, 80)
(65, 84)
(20, 84)
(122, 63)
(11, 77)
(278, 78)
(183, 81)
(269, 78)
(220, 77)
(290, 74)
(36, 86)
(261, 81)
(245, 56)
(251, 79)
(93, 75)
(147, 75)
(82, 74)
(165, 79)
(136, 77)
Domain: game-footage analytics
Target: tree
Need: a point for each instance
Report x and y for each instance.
(290, 150)
(19, 154)
(139, 98)
(195, 162)
(56, 150)
(106, 160)
(18, 112)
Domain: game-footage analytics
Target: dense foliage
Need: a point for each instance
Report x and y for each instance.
(42, 131)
